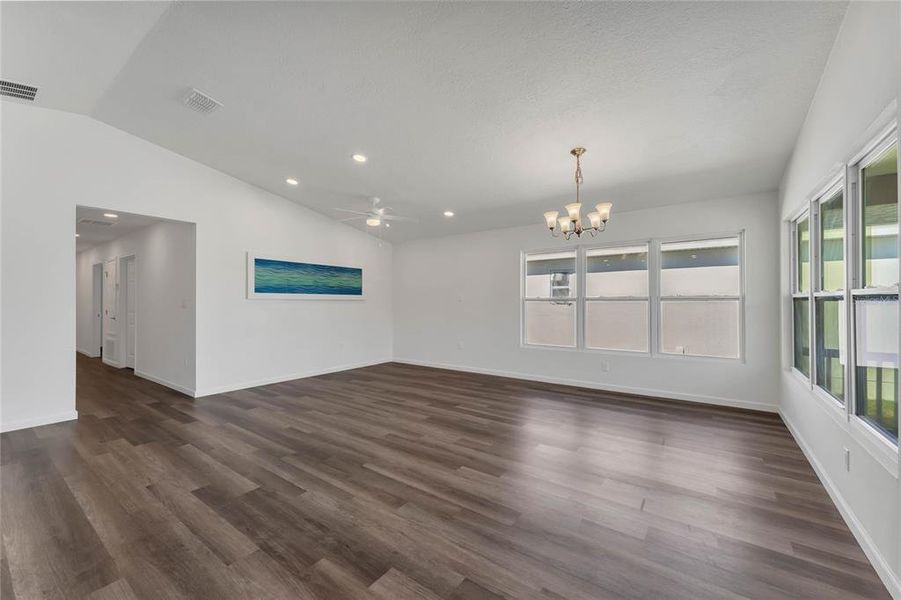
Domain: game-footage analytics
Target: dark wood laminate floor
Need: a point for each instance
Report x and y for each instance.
(399, 482)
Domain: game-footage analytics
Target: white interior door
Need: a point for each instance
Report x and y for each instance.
(110, 322)
(97, 309)
(131, 279)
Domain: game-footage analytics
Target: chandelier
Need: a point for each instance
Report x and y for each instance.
(571, 225)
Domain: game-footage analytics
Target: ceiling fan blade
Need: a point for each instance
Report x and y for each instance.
(351, 219)
(355, 212)
(397, 218)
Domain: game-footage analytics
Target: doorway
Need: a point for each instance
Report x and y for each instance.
(135, 291)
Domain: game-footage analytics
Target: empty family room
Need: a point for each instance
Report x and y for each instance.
(457, 300)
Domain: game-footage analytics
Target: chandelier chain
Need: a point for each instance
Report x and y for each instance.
(578, 177)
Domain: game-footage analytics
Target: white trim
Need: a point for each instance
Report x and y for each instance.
(661, 394)
(233, 387)
(880, 564)
(69, 415)
(88, 353)
(880, 140)
(175, 386)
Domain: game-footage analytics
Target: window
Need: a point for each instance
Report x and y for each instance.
(845, 289)
(604, 298)
(830, 346)
(700, 297)
(832, 243)
(801, 294)
(876, 361)
(616, 298)
(801, 317)
(549, 299)
(802, 255)
(879, 194)
(875, 297)
(829, 295)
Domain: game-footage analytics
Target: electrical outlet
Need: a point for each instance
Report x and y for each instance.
(604, 366)
(847, 459)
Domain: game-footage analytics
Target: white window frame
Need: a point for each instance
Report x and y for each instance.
(585, 299)
(796, 294)
(883, 449)
(653, 299)
(660, 298)
(836, 184)
(879, 441)
(574, 299)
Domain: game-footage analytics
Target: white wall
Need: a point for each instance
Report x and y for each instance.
(860, 81)
(165, 326)
(54, 160)
(457, 304)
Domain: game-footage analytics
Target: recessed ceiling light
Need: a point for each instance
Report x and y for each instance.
(359, 158)
(448, 213)
(111, 215)
(291, 181)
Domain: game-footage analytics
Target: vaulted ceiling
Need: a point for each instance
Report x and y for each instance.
(470, 107)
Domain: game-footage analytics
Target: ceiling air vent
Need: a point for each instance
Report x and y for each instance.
(18, 90)
(87, 221)
(197, 100)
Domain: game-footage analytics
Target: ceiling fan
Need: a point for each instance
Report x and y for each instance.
(376, 216)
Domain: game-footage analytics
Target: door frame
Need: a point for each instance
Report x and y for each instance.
(96, 310)
(123, 299)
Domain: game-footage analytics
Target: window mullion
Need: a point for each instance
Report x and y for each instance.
(852, 271)
(581, 280)
(654, 298)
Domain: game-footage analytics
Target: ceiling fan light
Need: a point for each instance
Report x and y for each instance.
(595, 219)
(604, 209)
(550, 217)
(373, 221)
(574, 209)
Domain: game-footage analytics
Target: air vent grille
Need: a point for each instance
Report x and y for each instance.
(18, 90)
(87, 221)
(197, 100)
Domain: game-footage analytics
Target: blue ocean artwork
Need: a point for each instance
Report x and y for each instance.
(287, 277)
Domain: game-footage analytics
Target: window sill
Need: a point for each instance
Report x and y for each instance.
(548, 347)
(716, 359)
(876, 444)
(836, 409)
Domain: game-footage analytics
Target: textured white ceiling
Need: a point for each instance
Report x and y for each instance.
(471, 107)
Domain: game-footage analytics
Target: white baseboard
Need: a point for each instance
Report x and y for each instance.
(701, 399)
(880, 564)
(88, 353)
(281, 378)
(175, 386)
(39, 421)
